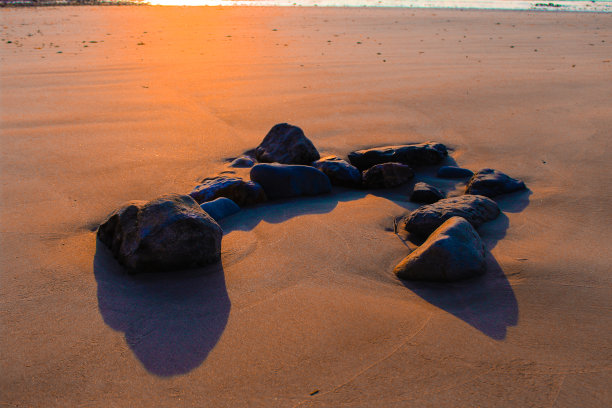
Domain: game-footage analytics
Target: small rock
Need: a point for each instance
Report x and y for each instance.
(420, 154)
(454, 172)
(235, 188)
(243, 162)
(283, 181)
(220, 208)
(474, 208)
(339, 171)
(168, 233)
(491, 183)
(452, 252)
(286, 144)
(386, 175)
(425, 193)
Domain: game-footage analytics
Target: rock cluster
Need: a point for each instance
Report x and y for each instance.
(181, 231)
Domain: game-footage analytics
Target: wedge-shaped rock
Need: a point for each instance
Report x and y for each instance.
(286, 144)
(284, 181)
(240, 191)
(171, 232)
(339, 171)
(491, 183)
(386, 175)
(220, 208)
(475, 209)
(425, 193)
(421, 154)
(452, 252)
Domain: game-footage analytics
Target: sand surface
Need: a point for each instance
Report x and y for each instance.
(144, 101)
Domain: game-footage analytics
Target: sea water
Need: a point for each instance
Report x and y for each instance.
(544, 5)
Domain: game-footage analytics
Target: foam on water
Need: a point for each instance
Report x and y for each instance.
(566, 5)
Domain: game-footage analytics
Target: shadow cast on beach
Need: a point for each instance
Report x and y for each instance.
(486, 303)
(171, 323)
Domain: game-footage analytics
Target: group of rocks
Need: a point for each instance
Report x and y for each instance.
(181, 231)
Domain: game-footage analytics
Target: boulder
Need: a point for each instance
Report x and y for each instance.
(425, 193)
(284, 181)
(168, 233)
(233, 187)
(454, 251)
(421, 154)
(286, 144)
(474, 208)
(242, 162)
(220, 208)
(454, 172)
(490, 183)
(339, 171)
(386, 175)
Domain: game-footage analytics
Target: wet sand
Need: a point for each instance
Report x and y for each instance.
(101, 105)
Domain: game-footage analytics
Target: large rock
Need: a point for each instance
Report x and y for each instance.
(452, 252)
(220, 208)
(168, 233)
(235, 188)
(476, 209)
(453, 172)
(284, 181)
(414, 155)
(490, 183)
(286, 144)
(386, 175)
(425, 193)
(339, 171)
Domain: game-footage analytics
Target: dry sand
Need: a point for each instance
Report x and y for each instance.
(143, 101)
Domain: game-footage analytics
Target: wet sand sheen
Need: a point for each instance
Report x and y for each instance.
(136, 105)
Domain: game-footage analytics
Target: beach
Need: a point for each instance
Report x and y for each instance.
(102, 105)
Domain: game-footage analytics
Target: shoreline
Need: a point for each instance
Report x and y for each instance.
(484, 5)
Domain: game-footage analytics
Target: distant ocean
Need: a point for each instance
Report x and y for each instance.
(544, 5)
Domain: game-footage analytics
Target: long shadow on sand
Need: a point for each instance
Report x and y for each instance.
(170, 323)
(487, 302)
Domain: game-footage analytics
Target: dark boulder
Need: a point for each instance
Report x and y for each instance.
(339, 171)
(421, 154)
(491, 183)
(168, 233)
(425, 193)
(386, 175)
(476, 209)
(454, 172)
(286, 144)
(235, 188)
(454, 251)
(220, 208)
(284, 181)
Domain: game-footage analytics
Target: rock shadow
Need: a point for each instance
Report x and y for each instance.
(486, 303)
(513, 202)
(278, 211)
(171, 323)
